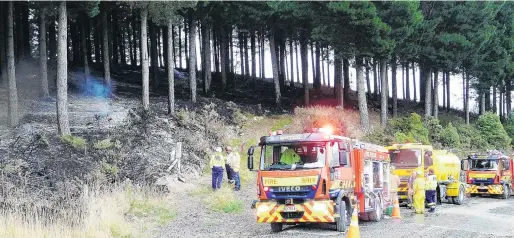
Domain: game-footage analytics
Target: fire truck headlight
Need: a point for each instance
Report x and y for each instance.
(319, 207)
(262, 208)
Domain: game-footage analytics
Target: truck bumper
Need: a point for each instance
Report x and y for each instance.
(310, 211)
(495, 189)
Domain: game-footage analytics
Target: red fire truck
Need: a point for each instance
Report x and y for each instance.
(319, 177)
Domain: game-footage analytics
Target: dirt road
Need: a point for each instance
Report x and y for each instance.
(478, 217)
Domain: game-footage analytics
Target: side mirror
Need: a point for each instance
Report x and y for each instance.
(250, 162)
(464, 164)
(250, 158)
(343, 158)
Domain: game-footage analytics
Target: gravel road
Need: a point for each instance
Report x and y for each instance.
(478, 217)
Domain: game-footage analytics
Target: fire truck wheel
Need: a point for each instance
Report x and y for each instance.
(276, 227)
(377, 214)
(505, 194)
(460, 198)
(342, 220)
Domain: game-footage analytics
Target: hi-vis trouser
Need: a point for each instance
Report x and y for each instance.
(430, 197)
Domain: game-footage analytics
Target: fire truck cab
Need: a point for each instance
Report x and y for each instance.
(318, 177)
(489, 174)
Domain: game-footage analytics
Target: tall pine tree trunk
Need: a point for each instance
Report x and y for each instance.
(43, 67)
(153, 55)
(291, 63)
(448, 91)
(97, 43)
(436, 94)
(384, 93)
(403, 81)
(466, 96)
(363, 105)
(444, 89)
(223, 44)
(207, 75)
(414, 82)
(247, 63)
(313, 63)
(375, 79)
(297, 67)
(407, 82)
(263, 48)
(338, 79)
(428, 92)
(274, 64)
(84, 50)
(304, 55)
(180, 46)
(145, 71)
(105, 49)
(11, 71)
(171, 72)
(322, 67)
(62, 72)
(3, 41)
(346, 75)
(186, 42)
(495, 106)
(159, 48)
(114, 39)
(395, 87)
(317, 79)
(254, 63)
(241, 52)
(368, 80)
(192, 56)
(130, 43)
(508, 99)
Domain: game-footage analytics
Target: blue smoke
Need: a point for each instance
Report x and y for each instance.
(92, 87)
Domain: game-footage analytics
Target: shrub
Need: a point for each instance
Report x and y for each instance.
(434, 127)
(450, 137)
(103, 144)
(74, 141)
(492, 131)
(470, 138)
(408, 129)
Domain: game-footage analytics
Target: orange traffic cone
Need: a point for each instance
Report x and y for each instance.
(396, 209)
(354, 231)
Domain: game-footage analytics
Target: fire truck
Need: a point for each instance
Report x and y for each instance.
(489, 174)
(410, 157)
(319, 177)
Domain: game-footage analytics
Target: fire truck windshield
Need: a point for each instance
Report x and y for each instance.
(484, 164)
(405, 158)
(293, 156)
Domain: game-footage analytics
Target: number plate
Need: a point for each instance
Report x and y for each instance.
(290, 208)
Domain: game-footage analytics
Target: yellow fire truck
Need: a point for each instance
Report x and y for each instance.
(447, 168)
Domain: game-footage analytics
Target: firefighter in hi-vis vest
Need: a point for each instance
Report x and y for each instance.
(217, 162)
(431, 186)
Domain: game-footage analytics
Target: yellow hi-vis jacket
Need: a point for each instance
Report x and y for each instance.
(289, 156)
(431, 182)
(234, 160)
(419, 186)
(217, 160)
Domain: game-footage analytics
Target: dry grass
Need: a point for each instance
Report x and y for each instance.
(124, 211)
(345, 122)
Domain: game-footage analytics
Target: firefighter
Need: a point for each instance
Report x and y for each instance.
(410, 191)
(418, 189)
(395, 182)
(230, 171)
(289, 157)
(234, 161)
(431, 186)
(217, 162)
